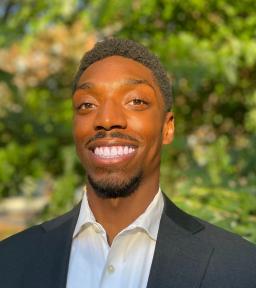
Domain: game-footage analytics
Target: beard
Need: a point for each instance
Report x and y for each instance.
(110, 188)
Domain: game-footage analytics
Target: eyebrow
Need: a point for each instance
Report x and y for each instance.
(89, 85)
(85, 85)
(137, 82)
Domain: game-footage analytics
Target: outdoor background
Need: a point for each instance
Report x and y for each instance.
(209, 50)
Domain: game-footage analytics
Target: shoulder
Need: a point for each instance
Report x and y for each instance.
(228, 245)
(16, 253)
(20, 241)
(22, 246)
(231, 260)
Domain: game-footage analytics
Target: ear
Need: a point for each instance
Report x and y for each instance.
(168, 128)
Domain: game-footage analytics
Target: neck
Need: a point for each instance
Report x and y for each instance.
(115, 214)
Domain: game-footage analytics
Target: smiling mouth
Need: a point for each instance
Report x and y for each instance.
(109, 152)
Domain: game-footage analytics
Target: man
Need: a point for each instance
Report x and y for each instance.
(125, 233)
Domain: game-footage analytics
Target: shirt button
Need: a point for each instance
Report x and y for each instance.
(111, 269)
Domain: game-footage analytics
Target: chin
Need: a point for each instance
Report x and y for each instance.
(114, 186)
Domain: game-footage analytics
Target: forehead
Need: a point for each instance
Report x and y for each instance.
(117, 68)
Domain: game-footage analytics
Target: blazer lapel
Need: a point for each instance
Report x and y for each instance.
(180, 258)
(50, 265)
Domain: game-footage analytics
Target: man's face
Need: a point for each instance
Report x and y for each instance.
(119, 124)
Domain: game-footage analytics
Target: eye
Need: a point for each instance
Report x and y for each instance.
(86, 106)
(138, 101)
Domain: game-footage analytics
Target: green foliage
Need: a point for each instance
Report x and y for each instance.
(64, 186)
(234, 211)
(209, 49)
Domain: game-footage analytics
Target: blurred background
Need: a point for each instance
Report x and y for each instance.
(209, 49)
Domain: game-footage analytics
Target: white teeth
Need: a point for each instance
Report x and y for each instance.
(120, 150)
(113, 151)
(106, 151)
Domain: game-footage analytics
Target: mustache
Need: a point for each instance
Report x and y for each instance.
(114, 134)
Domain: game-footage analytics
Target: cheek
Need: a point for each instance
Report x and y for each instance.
(80, 129)
(149, 130)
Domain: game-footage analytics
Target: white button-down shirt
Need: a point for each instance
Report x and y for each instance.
(126, 263)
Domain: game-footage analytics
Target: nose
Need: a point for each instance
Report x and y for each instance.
(110, 116)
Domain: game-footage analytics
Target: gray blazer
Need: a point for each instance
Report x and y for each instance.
(189, 253)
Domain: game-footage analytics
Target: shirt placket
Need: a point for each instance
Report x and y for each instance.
(112, 270)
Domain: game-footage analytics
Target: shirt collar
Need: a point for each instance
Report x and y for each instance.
(85, 217)
(148, 221)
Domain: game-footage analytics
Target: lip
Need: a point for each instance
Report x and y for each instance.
(102, 161)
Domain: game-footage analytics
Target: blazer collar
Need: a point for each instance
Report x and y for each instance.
(180, 259)
(50, 264)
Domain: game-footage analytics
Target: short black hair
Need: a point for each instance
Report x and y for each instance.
(129, 49)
